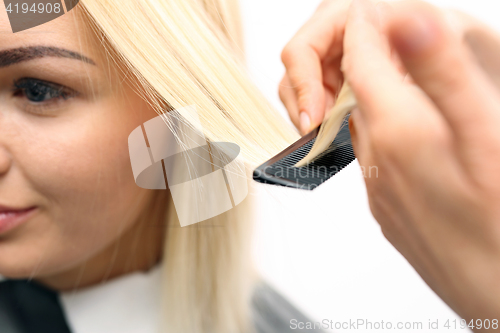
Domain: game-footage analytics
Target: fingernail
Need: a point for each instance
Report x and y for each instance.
(305, 122)
(415, 35)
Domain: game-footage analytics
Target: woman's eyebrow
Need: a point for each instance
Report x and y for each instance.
(14, 56)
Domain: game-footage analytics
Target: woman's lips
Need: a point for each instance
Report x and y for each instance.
(11, 218)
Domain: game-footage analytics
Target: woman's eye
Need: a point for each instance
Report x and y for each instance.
(41, 96)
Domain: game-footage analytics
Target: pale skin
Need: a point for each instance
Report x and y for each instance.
(67, 155)
(434, 138)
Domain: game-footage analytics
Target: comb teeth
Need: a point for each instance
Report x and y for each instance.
(281, 170)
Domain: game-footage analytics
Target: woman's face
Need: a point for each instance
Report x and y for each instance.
(65, 116)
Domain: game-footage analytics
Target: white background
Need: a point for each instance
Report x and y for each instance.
(323, 249)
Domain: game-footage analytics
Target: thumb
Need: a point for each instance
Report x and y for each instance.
(442, 66)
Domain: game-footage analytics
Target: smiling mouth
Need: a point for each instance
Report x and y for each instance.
(12, 218)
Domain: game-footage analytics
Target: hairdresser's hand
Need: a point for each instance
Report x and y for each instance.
(436, 147)
(312, 58)
(312, 61)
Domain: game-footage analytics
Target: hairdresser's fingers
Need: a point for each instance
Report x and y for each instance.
(368, 67)
(440, 64)
(332, 82)
(319, 39)
(399, 119)
(306, 80)
(289, 100)
(385, 12)
(359, 136)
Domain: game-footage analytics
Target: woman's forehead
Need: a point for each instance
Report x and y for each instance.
(69, 31)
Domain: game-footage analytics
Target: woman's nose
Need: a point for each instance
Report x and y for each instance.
(5, 160)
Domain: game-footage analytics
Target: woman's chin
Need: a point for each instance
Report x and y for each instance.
(16, 271)
(19, 259)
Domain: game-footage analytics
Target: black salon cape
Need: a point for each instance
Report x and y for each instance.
(27, 307)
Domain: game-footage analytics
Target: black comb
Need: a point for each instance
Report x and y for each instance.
(280, 169)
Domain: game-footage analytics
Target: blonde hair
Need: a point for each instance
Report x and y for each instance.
(345, 103)
(189, 52)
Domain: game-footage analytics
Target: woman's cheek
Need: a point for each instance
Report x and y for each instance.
(84, 175)
(94, 167)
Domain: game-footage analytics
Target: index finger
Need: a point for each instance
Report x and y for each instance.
(321, 37)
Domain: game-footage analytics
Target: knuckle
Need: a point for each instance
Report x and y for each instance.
(297, 79)
(287, 52)
(303, 92)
